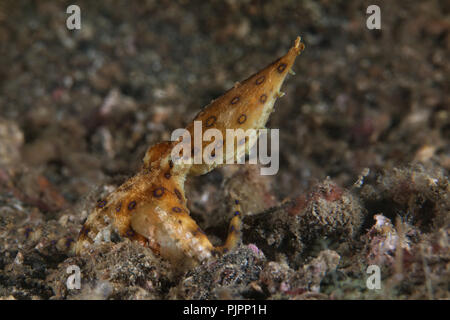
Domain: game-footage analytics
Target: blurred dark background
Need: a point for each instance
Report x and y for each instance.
(81, 106)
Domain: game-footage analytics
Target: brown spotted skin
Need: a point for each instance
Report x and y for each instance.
(248, 104)
(150, 207)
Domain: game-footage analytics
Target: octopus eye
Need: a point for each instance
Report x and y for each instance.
(178, 194)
